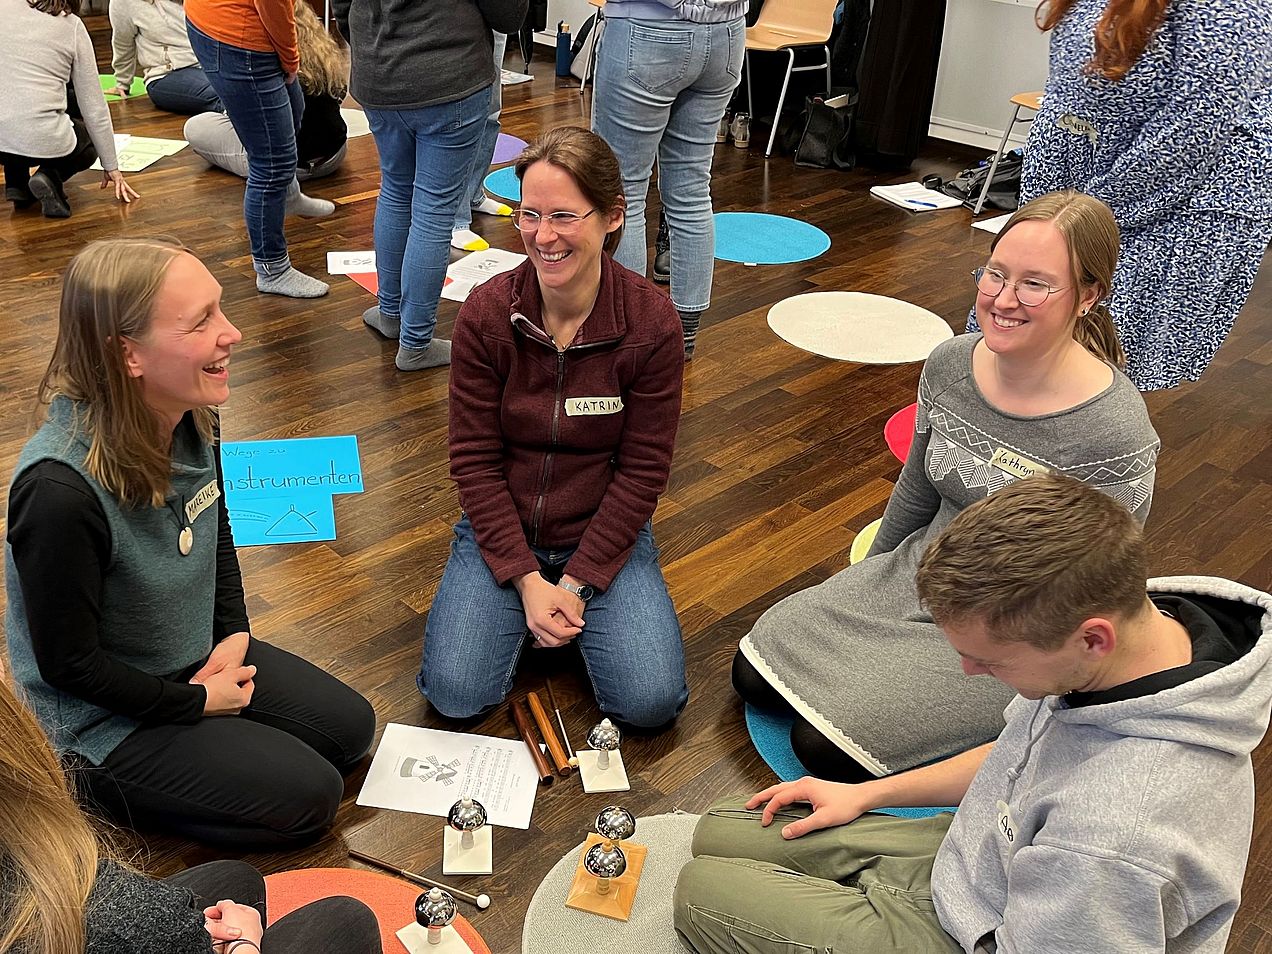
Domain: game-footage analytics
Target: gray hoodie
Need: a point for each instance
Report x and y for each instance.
(1129, 822)
(695, 11)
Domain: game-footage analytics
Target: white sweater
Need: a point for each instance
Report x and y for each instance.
(41, 54)
(149, 33)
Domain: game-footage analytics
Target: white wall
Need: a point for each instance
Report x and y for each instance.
(991, 51)
(573, 12)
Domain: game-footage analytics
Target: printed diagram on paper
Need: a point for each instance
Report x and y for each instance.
(427, 770)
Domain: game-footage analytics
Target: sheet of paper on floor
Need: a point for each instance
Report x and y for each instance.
(994, 225)
(350, 263)
(427, 770)
(915, 197)
(475, 268)
(138, 152)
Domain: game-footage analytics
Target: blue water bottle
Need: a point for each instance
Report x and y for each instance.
(563, 49)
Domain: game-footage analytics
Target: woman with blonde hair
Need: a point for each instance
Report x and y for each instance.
(870, 682)
(62, 893)
(322, 137)
(1162, 109)
(126, 626)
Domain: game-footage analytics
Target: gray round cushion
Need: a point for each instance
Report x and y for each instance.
(552, 928)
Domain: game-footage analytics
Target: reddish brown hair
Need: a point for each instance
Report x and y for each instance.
(1121, 36)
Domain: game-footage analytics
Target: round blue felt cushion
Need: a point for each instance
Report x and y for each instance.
(758, 238)
(504, 182)
(771, 735)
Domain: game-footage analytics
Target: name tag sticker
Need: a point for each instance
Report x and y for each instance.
(583, 406)
(208, 494)
(1012, 463)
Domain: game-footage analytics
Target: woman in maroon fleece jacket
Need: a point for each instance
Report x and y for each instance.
(564, 402)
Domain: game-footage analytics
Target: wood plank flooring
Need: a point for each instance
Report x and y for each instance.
(780, 462)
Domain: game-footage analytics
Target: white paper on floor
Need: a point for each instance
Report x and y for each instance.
(994, 225)
(350, 263)
(854, 326)
(427, 770)
(137, 152)
(467, 273)
(356, 120)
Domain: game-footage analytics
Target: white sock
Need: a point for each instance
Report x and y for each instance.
(466, 240)
(306, 206)
(492, 207)
(293, 284)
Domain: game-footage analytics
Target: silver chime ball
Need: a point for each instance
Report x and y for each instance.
(605, 861)
(467, 814)
(435, 908)
(615, 823)
(604, 736)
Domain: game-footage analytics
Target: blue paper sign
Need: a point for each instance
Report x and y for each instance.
(329, 464)
(294, 517)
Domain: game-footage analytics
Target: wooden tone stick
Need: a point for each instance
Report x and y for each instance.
(541, 720)
(481, 900)
(525, 729)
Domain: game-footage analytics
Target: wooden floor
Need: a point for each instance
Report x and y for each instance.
(781, 460)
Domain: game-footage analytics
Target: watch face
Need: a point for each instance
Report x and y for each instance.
(586, 592)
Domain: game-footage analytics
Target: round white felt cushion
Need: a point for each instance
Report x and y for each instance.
(854, 326)
(356, 121)
(552, 928)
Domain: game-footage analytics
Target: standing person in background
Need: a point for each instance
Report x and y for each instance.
(152, 34)
(463, 237)
(250, 56)
(422, 72)
(45, 46)
(1163, 110)
(665, 72)
(322, 138)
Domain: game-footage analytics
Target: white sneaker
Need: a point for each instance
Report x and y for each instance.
(722, 133)
(741, 130)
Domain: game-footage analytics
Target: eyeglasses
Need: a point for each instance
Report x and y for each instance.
(1030, 292)
(563, 223)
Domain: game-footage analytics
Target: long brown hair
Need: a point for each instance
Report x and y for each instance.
(589, 160)
(108, 294)
(1121, 36)
(324, 66)
(48, 850)
(1090, 231)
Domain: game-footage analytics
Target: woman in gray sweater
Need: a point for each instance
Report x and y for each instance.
(45, 46)
(872, 684)
(151, 34)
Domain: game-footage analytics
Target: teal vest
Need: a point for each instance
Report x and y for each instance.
(156, 604)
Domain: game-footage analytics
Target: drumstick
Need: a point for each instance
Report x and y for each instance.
(481, 900)
(565, 736)
(525, 729)
(544, 724)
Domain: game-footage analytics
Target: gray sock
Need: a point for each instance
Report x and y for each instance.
(291, 283)
(388, 325)
(417, 359)
(689, 321)
(306, 206)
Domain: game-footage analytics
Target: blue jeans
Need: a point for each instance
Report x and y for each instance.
(185, 91)
(661, 90)
(425, 155)
(265, 111)
(630, 642)
(485, 146)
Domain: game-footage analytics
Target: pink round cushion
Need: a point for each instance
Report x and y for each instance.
(899, 431)
(392, 899)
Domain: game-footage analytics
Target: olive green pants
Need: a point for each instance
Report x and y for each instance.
(864, 887)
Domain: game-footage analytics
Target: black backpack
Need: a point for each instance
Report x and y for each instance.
(1004, 190)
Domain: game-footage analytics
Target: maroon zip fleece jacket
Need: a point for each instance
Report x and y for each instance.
(563, 449)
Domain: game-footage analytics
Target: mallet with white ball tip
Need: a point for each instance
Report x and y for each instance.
(482, 901)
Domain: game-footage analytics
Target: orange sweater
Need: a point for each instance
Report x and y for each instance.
(261, 25)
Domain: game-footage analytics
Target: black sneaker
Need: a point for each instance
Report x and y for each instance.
(52, 200)
(662, 253)
(20, 197)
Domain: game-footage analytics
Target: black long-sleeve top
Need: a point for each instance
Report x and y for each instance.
(61, 546)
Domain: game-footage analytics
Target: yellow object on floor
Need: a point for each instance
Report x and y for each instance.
(861, 542)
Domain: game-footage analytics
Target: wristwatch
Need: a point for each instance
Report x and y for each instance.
(583, 592)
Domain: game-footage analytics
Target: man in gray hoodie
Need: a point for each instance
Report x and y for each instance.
(1114, 812)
